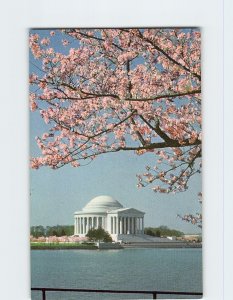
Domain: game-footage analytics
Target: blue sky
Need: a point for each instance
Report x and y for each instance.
(57, 194)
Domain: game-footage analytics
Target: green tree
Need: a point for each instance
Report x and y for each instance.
(37, 231)
(149, 231)
(60, 230)
(162, 231)
(99, 234)
(158, 232)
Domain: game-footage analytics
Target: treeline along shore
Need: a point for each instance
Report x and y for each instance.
(61, 238)
(68, 230)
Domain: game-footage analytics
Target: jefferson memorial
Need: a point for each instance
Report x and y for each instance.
(108, 213)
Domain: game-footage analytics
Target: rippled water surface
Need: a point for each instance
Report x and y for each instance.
(127, 269)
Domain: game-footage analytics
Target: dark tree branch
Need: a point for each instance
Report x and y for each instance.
(168, 56)
(95, 38)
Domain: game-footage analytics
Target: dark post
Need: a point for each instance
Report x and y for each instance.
(43, 294)
(154, 296)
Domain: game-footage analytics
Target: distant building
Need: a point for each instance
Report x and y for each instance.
(191, 237)
(108, 213)
(172, 238)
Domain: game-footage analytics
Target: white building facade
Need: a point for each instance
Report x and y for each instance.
(108, 213)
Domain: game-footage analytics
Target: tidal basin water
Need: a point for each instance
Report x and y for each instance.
(127, 269)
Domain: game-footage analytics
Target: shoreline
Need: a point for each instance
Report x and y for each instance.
(173, 245)
(162, 245)
(62, 246)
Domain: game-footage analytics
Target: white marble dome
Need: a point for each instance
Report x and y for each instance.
(102, 204)
(107, 213)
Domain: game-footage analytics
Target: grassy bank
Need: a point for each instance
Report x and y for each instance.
(61, 246)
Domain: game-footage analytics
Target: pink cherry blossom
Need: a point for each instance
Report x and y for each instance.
(65, 42)
(121, 90)
(45, 41)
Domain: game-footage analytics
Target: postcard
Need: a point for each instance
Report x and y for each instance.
(115, 158)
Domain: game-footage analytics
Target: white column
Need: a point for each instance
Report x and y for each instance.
(131, 225)
(77, 228)
(143, 225)
(88, 224)
(114, 225)
(120, 221)
(84, 225)
(81, 223)
(75, 225)
(117, 221)
(134, 229)
(97, 222)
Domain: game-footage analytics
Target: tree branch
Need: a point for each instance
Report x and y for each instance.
(168, 56)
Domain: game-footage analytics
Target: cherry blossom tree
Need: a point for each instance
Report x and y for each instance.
(114, 90)
(194, 219)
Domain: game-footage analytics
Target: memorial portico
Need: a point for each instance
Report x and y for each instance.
(108, 213)
(126, 221)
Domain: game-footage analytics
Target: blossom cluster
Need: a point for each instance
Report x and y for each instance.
(133, 90)
(58, 239)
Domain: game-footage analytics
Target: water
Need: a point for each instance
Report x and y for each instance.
(128, 269)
